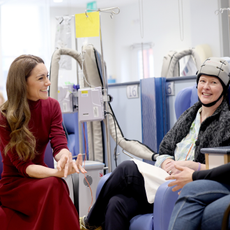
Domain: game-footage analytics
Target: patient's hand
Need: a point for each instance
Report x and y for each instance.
(169, 166)
(172, 166)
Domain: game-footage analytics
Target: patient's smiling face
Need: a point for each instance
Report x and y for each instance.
(209, 89)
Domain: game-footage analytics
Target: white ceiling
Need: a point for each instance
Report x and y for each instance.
(73, 3)
(83, 3)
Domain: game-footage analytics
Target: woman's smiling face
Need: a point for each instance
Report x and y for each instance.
(209, 89)
(38, 83)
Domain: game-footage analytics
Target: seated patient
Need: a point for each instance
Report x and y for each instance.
(202, 203)
(33, 196)
(130, 189)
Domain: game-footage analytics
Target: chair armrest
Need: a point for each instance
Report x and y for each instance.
(143, 222)
(163, 206)
(216, 156)
(101, 183)
(217, 150)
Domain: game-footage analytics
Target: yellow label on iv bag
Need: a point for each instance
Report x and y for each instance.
(87, 24)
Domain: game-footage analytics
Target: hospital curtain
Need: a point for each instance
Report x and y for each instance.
(154, 111)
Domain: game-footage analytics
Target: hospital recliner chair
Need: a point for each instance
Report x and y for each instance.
(163, 206)
(165, 198)
(180, 106)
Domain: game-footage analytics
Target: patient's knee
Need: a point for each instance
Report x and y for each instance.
(116, 205)
(127, 167)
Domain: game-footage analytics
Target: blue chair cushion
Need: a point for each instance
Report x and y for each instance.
(143, 222)
(185, 99)
(70, 120)
(194, 96)
(71, 144)
(48, 158)
(181, 102)
(163, 206)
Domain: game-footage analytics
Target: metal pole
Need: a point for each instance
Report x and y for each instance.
(80, 147)
(105, 82)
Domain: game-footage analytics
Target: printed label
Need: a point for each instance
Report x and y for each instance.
(84, 93)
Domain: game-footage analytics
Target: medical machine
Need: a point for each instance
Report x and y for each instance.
(91, 104)
(88, 185)
(68, 98)
(92, 75)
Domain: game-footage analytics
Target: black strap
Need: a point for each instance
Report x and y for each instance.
(212, 103)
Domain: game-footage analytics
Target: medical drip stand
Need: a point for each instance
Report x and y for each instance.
(112, 11)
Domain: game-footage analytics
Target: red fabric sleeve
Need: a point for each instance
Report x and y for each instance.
(13, 156)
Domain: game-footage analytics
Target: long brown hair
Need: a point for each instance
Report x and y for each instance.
(16, 108)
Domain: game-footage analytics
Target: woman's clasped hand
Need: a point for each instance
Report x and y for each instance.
(66, 165)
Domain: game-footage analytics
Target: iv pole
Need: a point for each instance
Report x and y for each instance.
(223, 14)
(113, 11)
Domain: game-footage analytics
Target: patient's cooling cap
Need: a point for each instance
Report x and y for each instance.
(216, 67)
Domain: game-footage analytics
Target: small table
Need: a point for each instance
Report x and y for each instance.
(216, 156)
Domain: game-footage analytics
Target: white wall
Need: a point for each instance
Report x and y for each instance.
(161, 27)
(205, 24)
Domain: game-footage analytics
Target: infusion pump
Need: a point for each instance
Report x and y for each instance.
(88, 102)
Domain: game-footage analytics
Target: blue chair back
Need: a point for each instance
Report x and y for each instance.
(48, 158)
(70, 123)
(185, 99)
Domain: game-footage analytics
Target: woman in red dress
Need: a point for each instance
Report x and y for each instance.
(33, 196)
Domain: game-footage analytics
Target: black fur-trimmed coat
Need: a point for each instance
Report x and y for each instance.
(214, 131)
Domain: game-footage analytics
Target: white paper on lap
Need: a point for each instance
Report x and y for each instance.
(153, 178)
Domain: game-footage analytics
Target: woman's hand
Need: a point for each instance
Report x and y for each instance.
(66, 165)
(181, 179)
(78, 164)
(190, 164)
(167, 165)
(170, 166)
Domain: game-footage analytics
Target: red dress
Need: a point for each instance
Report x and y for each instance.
(36, 204)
